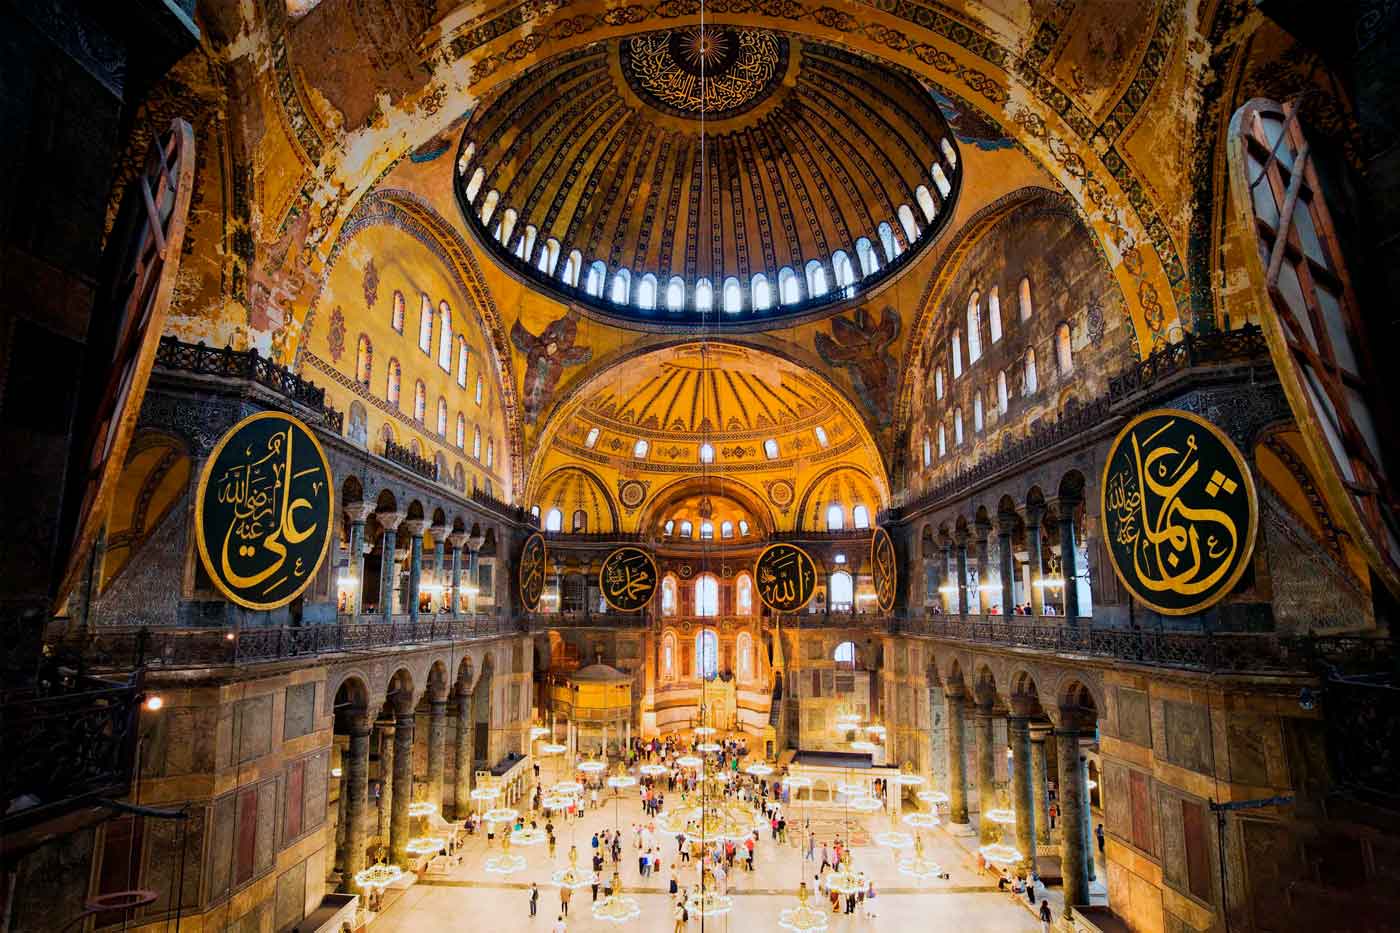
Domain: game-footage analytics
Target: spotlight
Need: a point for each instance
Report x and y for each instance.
(154, 702)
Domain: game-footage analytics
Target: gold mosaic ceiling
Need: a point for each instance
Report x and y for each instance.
(818, 173)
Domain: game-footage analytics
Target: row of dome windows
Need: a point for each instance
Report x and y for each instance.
(642, 446)
(685, 529)
(1030, 384)
(764, 293)
(835, 516)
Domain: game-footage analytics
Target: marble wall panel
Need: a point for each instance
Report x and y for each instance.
(1134, 717)
(300, 716)
(291, 895)
(1188, 735)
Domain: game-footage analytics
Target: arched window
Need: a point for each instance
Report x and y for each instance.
(461, 431)
(461, 361)
(675, 294)
(396, 319)
(860, 517)
(507, 226)
(816, 278)
(726, 529)
(974, 328)
(770, 449)
(865, 255)
(977, 411)
(554, 520)
(425, 325)
(476, 442)
(949, 152)
(364, 361)
(743, 527)
(579, 525)
(707, 530)
(445, 336)
(841, 268)
(743, 647)
(707, 595)
(420, 401)
(928, 453)
(549, 256)
(639, 449)
(957, 427)
(646, 292)
(942, 442)
(957, 352)
(841, 597)
(1064, 357)
(704, 295)
(926, 204)
(835, 517)
(668, 641)
(478, 388)
(442, 418)
(490, 452)
(597, 276)
(391, 386)
(591, 439)
(733, 296)
(845, 655)
(526, 247)
(706, 642)
(573, 268)
(907, 221)
(789, 289)
(1032, 383)
(743, 595)
(760, 296)
(488, 206)
(1002, 398)
(888, 242)
(621, 287)
(820, 433)
(474, 186)
(687, 529)
(669, 592)
(707, 453)
(938, 383)
(940, 180)
(1024, 299)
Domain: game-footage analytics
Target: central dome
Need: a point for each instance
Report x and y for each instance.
(672, 176)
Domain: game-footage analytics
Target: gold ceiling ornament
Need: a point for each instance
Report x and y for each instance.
(1179, 511)
(709, 70)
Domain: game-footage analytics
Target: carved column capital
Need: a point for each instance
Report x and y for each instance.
(358, 511)
(413, 527)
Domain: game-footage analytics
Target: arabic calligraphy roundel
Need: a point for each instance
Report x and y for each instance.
(1179, 511)
(884, 568)
(264, 510)
(628, 579)
(786, 577)
(532, 565)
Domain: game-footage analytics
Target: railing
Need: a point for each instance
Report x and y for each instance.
(1213, 347)
(1222, 652)
(543, 621)
(179, 356)
(505, 509)
(64, 748)
(405, 457)
(192, 648)
(801, 620)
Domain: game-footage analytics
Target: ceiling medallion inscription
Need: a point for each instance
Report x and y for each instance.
(719, 71)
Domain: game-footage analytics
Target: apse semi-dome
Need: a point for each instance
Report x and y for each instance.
(688, 174)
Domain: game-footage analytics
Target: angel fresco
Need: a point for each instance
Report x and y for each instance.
(546, 355)
(863, 346)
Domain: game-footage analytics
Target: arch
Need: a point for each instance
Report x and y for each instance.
(706, 592)
(392, 377)
(845, 654)
(664, 500)
(420, 401)
(743, 654)
(646, 292)
(462, 356)
(974, 328)
(442, 418)
(1030, 379)
(1024, 298)
(549, 256)
(670, 596)
(704, 295)
(789, 288)
(845, 483)
(888, 241)
(907, 221)
(597, 276)
(732, 296)
(1064, 355)
(488, 205)
(425, 324)
(445, 336)
(743, 594)
(994, 313)
(669, 659)
(573, 268)
(364, 361)
(926, 204)
(760, 295)
(621, 292)
(840, 594)
(843, 273)
(706, 646)
(571, 486)
(816, 278)
(675, 294)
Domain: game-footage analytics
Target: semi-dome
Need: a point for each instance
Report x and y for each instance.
(668, 175)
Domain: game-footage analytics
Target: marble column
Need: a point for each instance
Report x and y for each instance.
(1069, 560)
(957, 759)
(386, 775)
(388, 566)
(945, 578)
(414, 529)
(437, 748)
(358, 513)
(1019, 734)
(1006, 524)
(984, 572)
(986, 772)
(961, 545)
(1040, 784)
(399, 830)
(439, 555)
(355, 791)
(465, 759)
(456, 539)
(1082, 779)
(1034, 515)
(1074, 844)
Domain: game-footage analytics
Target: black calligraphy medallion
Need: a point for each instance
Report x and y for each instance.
(786, 577)
(1179, 511)
(628, 579)
(884, 567)
(263, 515)
(532, 570)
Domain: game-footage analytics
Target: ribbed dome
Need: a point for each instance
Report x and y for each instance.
(816, 171)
